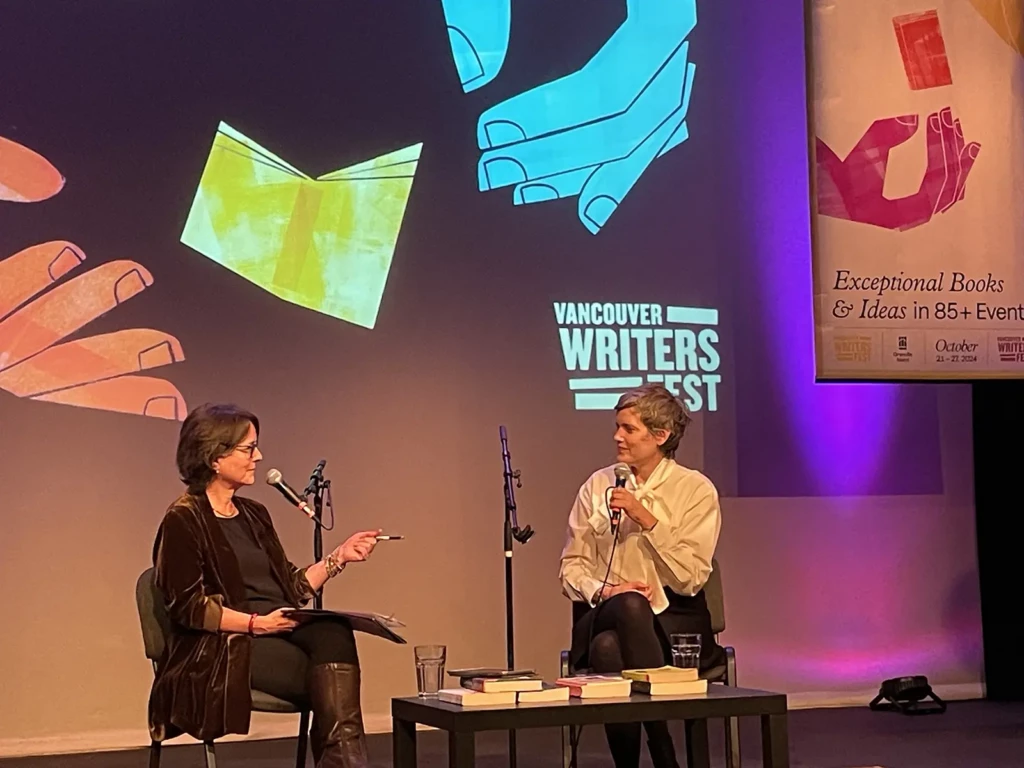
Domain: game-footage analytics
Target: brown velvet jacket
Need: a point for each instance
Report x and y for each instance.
(202, 682)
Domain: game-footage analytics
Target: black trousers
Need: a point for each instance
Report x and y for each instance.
(629, 615)
(624, 633)
(280, 663)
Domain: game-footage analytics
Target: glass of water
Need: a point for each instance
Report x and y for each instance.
(686, 650)
(429, 668)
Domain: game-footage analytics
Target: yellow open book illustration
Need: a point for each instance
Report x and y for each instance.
(325, 244)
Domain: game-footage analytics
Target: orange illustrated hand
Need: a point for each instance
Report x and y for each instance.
(26, 177)
(39, 311)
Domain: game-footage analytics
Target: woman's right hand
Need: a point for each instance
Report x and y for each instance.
(357, 547)
(628, 586)
(274, 623)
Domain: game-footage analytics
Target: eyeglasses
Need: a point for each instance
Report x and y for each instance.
(250, 449)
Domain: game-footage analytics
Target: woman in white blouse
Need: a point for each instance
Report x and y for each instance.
(662, 528)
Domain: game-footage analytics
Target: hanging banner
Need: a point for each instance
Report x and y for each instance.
(917, 114)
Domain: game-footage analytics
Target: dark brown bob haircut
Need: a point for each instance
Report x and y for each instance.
(209, 432)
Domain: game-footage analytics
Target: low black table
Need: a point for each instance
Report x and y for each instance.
(721, 701)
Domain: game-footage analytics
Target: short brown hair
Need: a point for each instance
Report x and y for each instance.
(209, 432)
(658, 409)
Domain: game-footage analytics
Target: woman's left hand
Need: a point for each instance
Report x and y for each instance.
(622, 499)
(357, 547)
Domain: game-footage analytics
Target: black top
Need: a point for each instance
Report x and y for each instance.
(262, 592)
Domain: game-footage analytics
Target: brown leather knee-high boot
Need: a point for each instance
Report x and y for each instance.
(337, 735)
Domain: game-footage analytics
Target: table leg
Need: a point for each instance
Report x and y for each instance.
(775, 741)
(697, 753)
(403, 743)
(461, 749)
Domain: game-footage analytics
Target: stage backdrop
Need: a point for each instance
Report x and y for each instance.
(918, 111)
(389, 228)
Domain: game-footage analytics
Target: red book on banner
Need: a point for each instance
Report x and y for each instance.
(923, 50)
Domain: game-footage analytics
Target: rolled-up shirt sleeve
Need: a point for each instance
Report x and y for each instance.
(579, 557)
(179, 576)
(684, 543)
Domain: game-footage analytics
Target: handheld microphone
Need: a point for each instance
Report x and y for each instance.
(621, 477)
(275, 479)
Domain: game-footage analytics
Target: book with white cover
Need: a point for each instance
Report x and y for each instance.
(464, 697)
(547, 694)
(491, 685)
(596, 686)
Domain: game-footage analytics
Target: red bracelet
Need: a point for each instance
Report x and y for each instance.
(252, 619)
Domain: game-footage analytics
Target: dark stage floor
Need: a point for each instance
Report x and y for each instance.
(970, 735)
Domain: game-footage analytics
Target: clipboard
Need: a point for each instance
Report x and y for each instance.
(367, 623)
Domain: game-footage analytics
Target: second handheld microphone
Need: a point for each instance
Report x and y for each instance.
(621, 477)
(275, 479)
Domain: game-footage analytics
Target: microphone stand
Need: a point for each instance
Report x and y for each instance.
(317, 486)
(512, 531)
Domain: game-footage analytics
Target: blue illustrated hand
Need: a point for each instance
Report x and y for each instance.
(478, 34)
(594, 132)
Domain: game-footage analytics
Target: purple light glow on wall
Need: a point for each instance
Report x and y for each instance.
(841, 429)
(864, 668)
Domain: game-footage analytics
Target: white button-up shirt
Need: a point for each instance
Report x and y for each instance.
(676, 553)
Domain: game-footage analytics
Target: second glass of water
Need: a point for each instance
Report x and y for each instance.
(686, 650)
(429, 668)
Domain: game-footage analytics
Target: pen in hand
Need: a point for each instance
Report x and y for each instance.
(389, 538)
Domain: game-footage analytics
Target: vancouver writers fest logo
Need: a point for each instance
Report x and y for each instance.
(611, 347)
(1011, 349)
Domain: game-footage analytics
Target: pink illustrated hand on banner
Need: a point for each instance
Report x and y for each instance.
(853, 188)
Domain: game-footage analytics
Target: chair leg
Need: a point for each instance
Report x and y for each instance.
(732, 724)
(570, 743)
(568, 734)
(300, 756)
(154, 754)
(732, 743)
(211, 757)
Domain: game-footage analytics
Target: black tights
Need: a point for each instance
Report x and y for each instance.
(280, 663)
(625, 636)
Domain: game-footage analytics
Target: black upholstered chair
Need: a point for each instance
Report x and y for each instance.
(156, 625)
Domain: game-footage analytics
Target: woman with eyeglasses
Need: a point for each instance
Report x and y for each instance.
(228, 587)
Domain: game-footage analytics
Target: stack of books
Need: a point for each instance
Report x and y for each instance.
(500, 688)
(506, 688)
(666, 681)
(596, 686)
